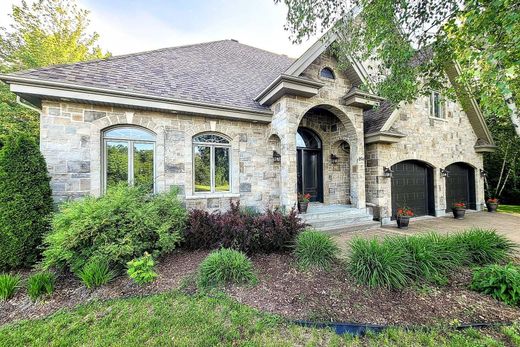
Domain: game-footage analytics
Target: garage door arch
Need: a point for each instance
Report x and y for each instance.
(412, 186)
(460, 185)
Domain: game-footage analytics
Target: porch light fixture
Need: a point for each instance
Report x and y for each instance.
(483, 173)
(444, 172)
(277, 157)
(387, 172)
(333, 159)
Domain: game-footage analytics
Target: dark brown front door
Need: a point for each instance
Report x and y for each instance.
(412, 186)
(309, 163)
(460, 185)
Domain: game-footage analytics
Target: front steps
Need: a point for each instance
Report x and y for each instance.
(338, 218)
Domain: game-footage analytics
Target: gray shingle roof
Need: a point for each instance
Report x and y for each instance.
(224, 73)
(375, 118)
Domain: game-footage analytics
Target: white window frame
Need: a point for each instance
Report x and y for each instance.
(212, 146)
(442, 106)
(130, 144)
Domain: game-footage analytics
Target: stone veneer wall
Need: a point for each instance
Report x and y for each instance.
(71, 143)
(438, 142)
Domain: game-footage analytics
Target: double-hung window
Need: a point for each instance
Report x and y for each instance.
(437, 105)
(129, 156)
(211, 163)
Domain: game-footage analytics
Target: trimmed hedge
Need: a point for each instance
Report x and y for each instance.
(25, 202)
(115, 228)
(250, 233)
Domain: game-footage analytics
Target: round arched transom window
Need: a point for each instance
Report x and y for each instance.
(327, 72)
(306, 138)
(129, 156)
(211, 163)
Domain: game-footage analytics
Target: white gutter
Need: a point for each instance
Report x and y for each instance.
(30, 107)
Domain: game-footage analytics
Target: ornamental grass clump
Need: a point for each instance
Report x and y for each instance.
(40, 284)
(8, 285)
(502, 282)
(225, 266)
(95, 274)
(379, 264)
(483, 246)
(315, 249)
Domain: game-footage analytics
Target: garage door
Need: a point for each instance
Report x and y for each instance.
(412, 186)
(460, 185)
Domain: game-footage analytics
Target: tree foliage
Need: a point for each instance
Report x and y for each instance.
(43, 33)
(25, 201)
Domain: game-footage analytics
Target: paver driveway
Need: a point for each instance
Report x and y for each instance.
(507, 224)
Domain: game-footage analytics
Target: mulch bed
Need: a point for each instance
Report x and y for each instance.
(287, 291)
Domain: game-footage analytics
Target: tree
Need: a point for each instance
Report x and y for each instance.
(482, 36)
(411, 43)
(25, 201)
(45, 33)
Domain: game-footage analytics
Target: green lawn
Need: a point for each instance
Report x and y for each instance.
(174, 319)
(509, 208)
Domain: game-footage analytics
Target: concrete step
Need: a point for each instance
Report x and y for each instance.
(352, 227)
(326, 223)
(315, 216)
(337, 217)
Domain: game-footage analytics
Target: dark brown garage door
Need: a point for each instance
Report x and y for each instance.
(412, 186)
(460, 185)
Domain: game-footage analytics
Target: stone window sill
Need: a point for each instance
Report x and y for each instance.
(439, 119)
(212, 196)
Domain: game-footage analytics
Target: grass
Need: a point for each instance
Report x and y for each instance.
(225, 266)
(175, 319)
(514, 209)
(8, 285)
(40, 284)
(315, 249)
(95, 274)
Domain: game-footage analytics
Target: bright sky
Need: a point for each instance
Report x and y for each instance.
(127, 26)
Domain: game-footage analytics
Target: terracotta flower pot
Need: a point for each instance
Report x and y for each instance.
(492, 206)
(458, 213)
(402, 222)
(302, 206)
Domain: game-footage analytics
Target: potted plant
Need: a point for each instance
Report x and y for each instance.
(403, 217)
(459, 210)
(303, 202)
(492, 204)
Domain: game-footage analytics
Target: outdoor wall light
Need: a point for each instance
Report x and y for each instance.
(277, 157)
(483, 173)
(444, 172)
(387, 172)
(334, 159)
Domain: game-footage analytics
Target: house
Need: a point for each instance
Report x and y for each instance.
(226, 121)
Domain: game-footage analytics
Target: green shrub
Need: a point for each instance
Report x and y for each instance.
(502, 282)
(114, 228)
(315, 249)
(141, 270)
(25, 201)
(95, 274)
(225, 266)
(432, 256)
(379, 264)
(40, 284)
(482, 246)
(8, 285)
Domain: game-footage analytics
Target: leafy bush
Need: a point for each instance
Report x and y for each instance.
(141, 270)
(114, 228)
(95, 274)
(225, 266)
(248, 232)
(315, 249)
(25, 201)
(482, 246)
(502, 282)
(8, 285)
(40, 284)
(379, 264)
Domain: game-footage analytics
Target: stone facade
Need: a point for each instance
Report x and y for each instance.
(71, 141)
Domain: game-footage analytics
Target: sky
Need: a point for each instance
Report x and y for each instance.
(127, 26)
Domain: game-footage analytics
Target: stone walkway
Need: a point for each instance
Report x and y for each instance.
(507, 224)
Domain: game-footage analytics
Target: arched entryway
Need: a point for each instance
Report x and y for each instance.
(412, 186)
(309, 164)
(460, 185)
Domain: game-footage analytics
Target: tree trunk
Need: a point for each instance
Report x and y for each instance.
(515, 117)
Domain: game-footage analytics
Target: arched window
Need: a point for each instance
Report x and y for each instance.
(306, 138)
(211, 163)
(327, 73)
(129, 156)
